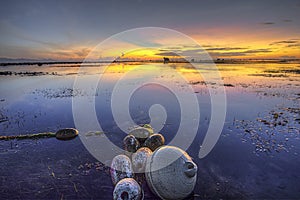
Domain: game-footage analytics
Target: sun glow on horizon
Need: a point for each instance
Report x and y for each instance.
(227, 49)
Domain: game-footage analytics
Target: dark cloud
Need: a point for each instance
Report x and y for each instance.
(208, 46)
(177, 48)
(253, 51)
(213, 51)
(167, 54)
(293, 45)
(164, 50)
(287, 57)
(193, 51)
(197, 49)
(268, 23)
(182, 52)
(239, 53)
(227, 54)
(285, 42)
(82, 52)
(291, 41)
(287, 20)
(192, 46)
(225, 49)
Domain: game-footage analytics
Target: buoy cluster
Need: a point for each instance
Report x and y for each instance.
(144, 159)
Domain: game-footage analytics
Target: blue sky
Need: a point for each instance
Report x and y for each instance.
(62, 29)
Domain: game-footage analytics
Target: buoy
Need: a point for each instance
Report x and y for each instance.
(140, 133)
(120, 168)
(66, 134)
(139, 159)
(149, 127)
(171, 173)
(127, 189)
(154, 141)
(131, 144)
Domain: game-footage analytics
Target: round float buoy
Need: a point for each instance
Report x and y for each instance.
(131, 144)
(120, 168)
(174, 181)
(154, 141)
(66, 134)
(149, 127)
(140, 133)
(139, 159)
(127, 189)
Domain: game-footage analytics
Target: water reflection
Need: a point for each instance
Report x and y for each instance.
(253, 158)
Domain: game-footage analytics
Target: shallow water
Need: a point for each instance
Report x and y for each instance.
(256, 156)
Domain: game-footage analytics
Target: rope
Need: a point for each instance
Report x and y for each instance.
(62, 134)
(28, 136)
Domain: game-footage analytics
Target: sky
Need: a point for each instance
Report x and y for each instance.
(70, 29)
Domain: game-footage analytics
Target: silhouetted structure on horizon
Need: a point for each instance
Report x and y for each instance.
(166, 60)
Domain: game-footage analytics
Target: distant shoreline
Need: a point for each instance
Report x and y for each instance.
(217, 61)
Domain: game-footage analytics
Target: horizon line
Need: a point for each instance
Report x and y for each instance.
(217, 61)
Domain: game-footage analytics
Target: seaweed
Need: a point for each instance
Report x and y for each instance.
(28, 136)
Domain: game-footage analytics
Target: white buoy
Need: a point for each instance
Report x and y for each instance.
(171, 173)
(127, 189)
(139, 159)
(121, 167)
(141, 133)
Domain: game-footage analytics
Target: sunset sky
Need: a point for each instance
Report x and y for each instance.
(68, 30)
